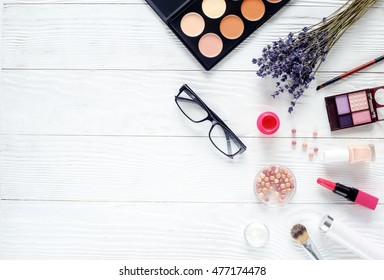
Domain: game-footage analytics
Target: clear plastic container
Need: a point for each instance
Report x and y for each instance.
(275, 185)
(256, 234)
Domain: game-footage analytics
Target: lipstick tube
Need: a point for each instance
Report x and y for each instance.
(352, 194)
(351, 239)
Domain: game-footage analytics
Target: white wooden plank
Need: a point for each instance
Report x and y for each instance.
(178, 169)
(58, 230)
(142, 103)
(133, 37)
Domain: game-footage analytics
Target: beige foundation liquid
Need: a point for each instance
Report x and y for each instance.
(353, 154)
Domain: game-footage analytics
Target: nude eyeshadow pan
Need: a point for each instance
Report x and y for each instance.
(211, 29)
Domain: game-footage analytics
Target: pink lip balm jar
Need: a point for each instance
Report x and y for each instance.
(268, 123)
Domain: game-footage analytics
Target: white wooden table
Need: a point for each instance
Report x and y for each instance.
(97, 162)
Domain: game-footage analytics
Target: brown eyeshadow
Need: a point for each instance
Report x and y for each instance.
(231, 27)
(253, 10)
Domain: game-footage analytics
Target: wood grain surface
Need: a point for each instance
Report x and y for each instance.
(97, 162)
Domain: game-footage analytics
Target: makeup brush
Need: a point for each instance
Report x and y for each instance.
(300, 234)
(350, 72)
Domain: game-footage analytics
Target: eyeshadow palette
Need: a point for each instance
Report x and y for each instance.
(355, 108)
(211, 29)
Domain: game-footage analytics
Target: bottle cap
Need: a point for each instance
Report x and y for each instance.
(326, 223)
(336, 155)
(268, 123)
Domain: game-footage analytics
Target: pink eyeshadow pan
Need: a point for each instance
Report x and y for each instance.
(361, 117)
(210, 45)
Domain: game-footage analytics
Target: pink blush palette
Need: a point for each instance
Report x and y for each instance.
(355, 108)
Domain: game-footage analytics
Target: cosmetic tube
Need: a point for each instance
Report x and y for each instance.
(349, 238)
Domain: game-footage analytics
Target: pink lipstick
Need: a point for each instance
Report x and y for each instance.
(352, 194)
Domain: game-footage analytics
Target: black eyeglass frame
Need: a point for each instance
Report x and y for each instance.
(212, 117)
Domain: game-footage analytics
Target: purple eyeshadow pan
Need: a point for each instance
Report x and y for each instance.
(342, 105)
(345, 121)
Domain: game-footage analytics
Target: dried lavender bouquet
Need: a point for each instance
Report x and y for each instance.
(295, 60)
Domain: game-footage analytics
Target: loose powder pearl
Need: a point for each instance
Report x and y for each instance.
(277, 181)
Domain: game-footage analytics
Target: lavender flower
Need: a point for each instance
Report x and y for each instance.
(295, 60)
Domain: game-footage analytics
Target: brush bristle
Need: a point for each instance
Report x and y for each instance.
(299, 233)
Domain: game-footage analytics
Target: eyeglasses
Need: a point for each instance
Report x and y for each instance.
(197, 111)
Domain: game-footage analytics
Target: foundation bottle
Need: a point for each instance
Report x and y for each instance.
(353, 154)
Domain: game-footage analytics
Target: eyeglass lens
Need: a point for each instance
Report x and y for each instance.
(191, 108)
(223, 140)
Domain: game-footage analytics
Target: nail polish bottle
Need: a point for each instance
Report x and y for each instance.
(353, 154)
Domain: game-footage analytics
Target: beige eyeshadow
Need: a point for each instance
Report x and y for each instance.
(358, 101)
(210, 45)
(253, 10)
(214, 8)
(192, 24)
(231, 27)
